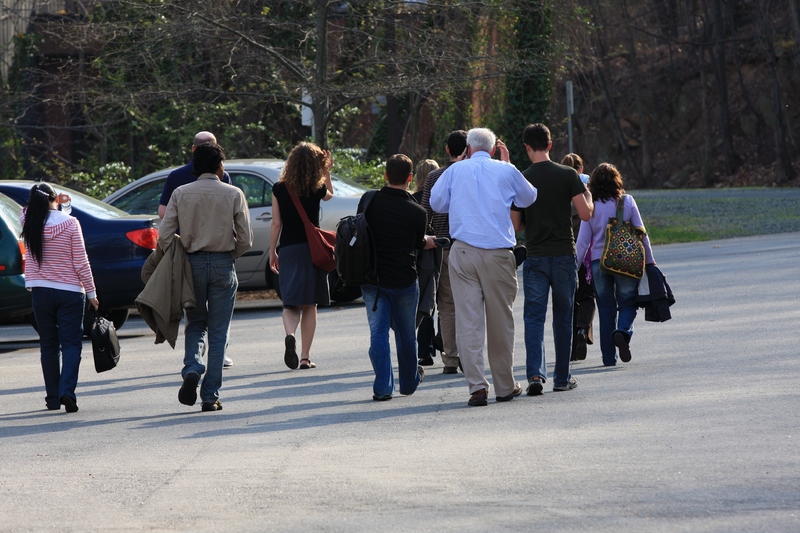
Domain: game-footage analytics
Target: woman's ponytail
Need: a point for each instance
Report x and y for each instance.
(36, 213)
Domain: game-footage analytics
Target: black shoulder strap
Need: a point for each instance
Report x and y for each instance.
(368, 196)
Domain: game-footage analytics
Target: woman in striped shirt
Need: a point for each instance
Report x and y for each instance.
(58, 275)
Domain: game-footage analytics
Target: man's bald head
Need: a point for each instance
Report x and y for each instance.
(204, 137)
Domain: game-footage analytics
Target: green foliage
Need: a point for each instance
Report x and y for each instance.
(527, 89)
(354, 164)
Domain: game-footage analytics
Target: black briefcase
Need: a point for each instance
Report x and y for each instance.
(105, 345)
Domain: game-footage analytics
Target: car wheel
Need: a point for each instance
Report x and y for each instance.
(339, 291)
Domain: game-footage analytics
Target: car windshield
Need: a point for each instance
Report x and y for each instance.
(345, 187)
(91, 205)
(143, 200)
(9, 211)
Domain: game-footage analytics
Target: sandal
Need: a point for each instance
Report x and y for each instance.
(305, 364)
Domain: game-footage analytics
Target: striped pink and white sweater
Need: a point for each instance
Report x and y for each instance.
(64, 263)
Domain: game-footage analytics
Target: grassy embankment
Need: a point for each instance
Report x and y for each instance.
(690, 215)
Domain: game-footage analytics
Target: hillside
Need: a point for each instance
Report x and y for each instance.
(668, 105)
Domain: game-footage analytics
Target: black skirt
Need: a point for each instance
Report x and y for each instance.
(301, 282)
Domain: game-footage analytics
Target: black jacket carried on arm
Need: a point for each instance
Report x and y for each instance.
(655, 295)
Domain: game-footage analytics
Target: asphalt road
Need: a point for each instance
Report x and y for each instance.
(698, 433)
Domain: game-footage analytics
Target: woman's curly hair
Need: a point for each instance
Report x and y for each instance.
(606, 183)
(303, 171)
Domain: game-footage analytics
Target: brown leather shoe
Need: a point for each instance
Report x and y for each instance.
(478, 399)
(516, 392)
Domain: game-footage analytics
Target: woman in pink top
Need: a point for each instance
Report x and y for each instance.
(615, 295)
(58, 275)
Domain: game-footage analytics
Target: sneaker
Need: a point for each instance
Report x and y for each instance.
(571, 384)
(514, 393)
(381, 398)
(450, 370)
(479, 398)
(188, 393)
(621, 341)
(535, 387)
(227, 362)
(290, 356)
(579, 350)
(70, 405)
(426, 361)
(216, 406)
(421, 374)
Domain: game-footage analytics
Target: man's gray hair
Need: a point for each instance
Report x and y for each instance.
(481, 139)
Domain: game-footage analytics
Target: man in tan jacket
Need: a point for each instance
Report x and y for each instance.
(215, 229)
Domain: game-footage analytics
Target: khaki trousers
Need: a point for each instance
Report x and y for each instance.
(447, 313)
(484, 285)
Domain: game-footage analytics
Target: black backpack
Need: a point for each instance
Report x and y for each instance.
(355, 250)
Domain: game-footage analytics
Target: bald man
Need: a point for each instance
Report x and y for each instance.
(183, 175)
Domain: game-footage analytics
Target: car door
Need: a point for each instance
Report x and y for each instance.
(251, 267)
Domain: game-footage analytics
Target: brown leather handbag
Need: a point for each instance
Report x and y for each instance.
(320, 242)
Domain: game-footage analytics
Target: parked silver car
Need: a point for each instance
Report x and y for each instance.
(255, 177)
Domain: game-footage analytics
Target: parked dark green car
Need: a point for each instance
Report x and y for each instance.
(15, 300)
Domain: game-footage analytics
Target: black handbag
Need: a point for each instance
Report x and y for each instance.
(105, 345)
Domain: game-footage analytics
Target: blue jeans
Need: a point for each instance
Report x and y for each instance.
(396, 309)
(59, 319)
(215, 285)
(616, 307)
(540, 275)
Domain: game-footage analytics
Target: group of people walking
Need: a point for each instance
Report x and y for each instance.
(457, 233)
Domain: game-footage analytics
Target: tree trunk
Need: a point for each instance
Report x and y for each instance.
(319, 103)
(784, 170)
(700, 53)
(601, 78)
(732, 160)
(393, 137)
(794, 9)
(630, 43)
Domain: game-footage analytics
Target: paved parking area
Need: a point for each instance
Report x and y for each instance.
(698, 433)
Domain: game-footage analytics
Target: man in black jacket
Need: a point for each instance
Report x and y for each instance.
(397, 224)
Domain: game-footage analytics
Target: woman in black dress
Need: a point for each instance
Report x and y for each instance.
(306, 175)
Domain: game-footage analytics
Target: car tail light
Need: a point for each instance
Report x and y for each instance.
(146, 238)
(22, 253)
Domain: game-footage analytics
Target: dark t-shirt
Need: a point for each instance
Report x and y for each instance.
(548, 221)
(294, 232)
(397, 223)
(182, 176)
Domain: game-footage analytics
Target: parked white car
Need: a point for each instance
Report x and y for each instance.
(255, 177)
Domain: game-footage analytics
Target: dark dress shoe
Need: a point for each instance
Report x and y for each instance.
(70, 405)
(450, 370)
(426, 361)
(516, 392)
(216, 406)
(382, 398)
(478, 399)
(579, 346)
(187, 394)
(621, 342)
